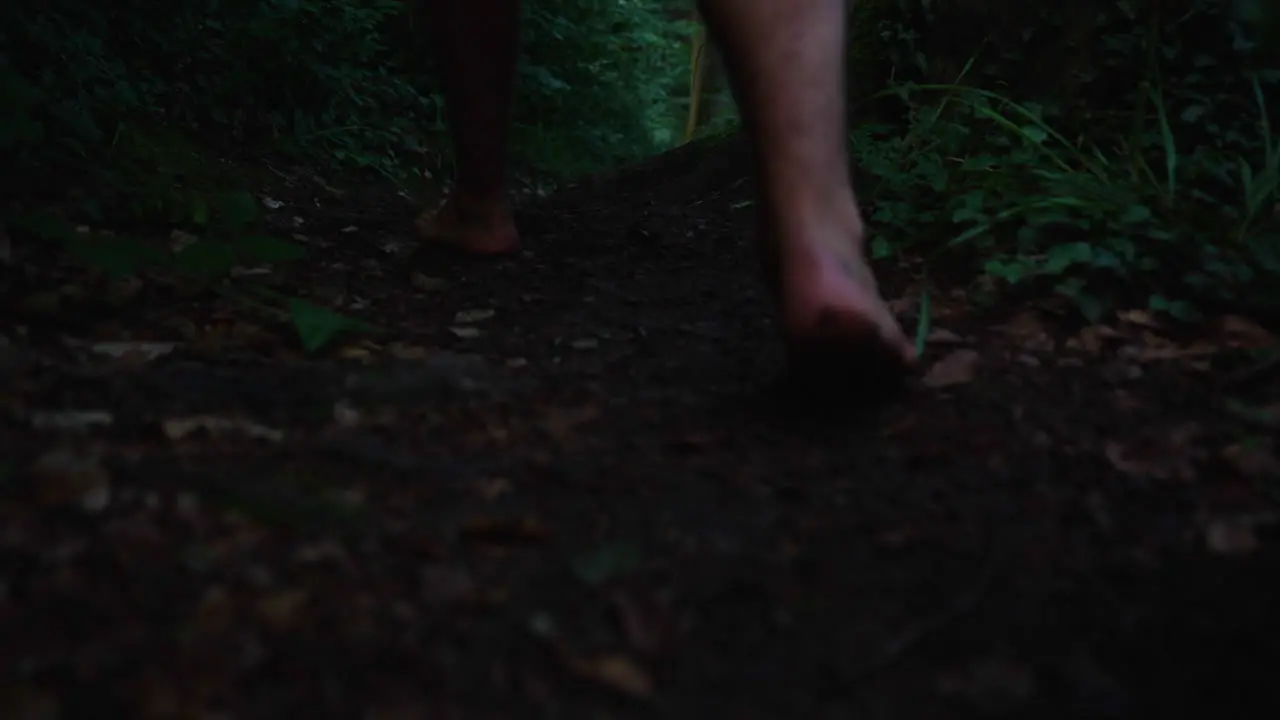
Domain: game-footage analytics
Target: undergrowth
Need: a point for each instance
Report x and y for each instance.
(1162, 194)
(1140, 169)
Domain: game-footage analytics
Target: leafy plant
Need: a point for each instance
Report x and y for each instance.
(1156, 196)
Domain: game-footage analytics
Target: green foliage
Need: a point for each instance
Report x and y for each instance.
(331, 82)
(600, 83)
(1124, 188)
(146, 117)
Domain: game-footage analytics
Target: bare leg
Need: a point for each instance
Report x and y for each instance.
(476, 42)
(786, 60)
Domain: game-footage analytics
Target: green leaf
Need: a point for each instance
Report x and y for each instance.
(1061, 257)
(45, 225)
(267, 249)
(200, 211)
(1034, 133)
(239, 210)
(316, 325)
(206, 259)
(1136, 214)
(118, 257)
(606, 562)
(1009, 271)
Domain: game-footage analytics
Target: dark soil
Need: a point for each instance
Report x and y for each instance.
(595, 509)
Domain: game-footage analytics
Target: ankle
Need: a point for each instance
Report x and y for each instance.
(811, 224)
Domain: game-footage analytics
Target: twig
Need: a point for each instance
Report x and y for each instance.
(921, 630)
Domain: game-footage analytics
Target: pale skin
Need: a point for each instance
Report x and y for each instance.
(786, 61)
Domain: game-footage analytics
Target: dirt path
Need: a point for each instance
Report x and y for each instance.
(590, 511)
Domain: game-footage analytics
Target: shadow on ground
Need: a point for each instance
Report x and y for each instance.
(554, 489)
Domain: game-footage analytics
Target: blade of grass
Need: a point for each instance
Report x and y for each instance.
(924, 321)
(1166, 139)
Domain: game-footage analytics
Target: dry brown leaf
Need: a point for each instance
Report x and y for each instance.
(447, 584)
(559, 422)
(138, 352)
(402, 351)
(1243, 333)
(216, 613)
(179, 240)
(1172, 457)
(1231, 536)
(428, 284)
(179, 428)
(27, 702)
(1093, 339)
(1156, 350)
(645, 624)
(1253, 459)
(938, 336)
(1142, 318)
(70, 419)
(616, 672)
(1026, 325)
(72, 477)
(957, 368)
(464, 317)
(280, 612)
(504, 531)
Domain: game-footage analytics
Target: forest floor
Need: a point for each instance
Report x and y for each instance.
(556, 486)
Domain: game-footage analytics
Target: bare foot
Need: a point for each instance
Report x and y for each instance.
(830, 305)
(477, 227)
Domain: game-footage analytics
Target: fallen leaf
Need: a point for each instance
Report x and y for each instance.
(179, 240)
(407, 352)
(471, 316)
(957, 368)
(616, 672)
(279, 612)
(606, 563)
(27, 702)
(271, 203)
(447, 585)
(1253, 459)
(1231, 536)
(70, 419)
(215, 613)
(1092, 339)
(585, 344)
(1142, 318)
(1243, 333)
(1173, 457)
(995, 685)
(72, 477)
(646, 625)
(560, 421)
(178, 428)
(465, 333)
(938, 336)
(1026, 326)
(422, 282)
(503, 531)
(517, 362)
(1156, 350)
(137, 351)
